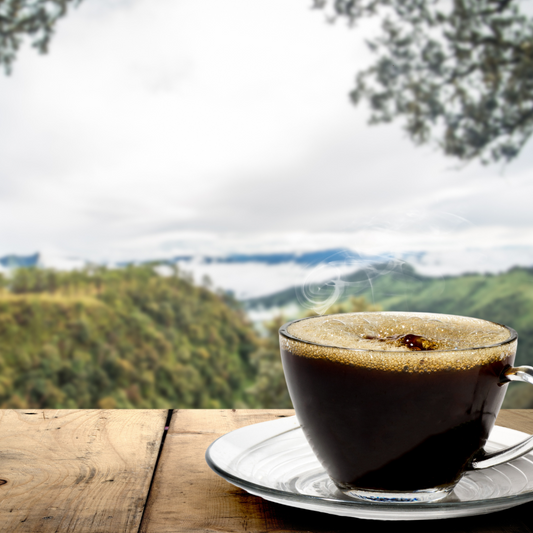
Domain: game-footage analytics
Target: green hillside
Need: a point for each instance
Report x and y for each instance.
(121, 338)
(131, 338)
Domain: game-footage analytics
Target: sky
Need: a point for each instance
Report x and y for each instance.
(155, 128)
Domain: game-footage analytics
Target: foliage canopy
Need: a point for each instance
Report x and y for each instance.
(121, 338)
(36, 18)
(458, 72)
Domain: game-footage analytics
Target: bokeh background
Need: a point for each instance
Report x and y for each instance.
(177, 177)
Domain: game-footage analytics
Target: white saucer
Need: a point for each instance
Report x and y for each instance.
(273, 460)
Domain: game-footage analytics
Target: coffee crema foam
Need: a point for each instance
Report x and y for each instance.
(377, 340)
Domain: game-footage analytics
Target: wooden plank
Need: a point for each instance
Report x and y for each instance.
(187, 496)
(77, 470)
(520, 419)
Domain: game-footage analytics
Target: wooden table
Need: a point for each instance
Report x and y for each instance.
(123, 471)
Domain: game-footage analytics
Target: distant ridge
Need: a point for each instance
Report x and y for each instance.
(300, 258)
(275, 258)
(17, 261)
(304, 259)
(263, 274)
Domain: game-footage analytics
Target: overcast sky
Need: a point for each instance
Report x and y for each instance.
(159, 127)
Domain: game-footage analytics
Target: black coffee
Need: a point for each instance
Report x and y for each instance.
(399, 420)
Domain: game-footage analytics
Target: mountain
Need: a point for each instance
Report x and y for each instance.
(307, 259)
(17, 261)
(126, 338)
(251, 275)
(46, 260)
(131, 337)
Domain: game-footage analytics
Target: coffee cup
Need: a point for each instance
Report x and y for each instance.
(398, 406)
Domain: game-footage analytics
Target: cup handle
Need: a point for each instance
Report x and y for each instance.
(518, 373)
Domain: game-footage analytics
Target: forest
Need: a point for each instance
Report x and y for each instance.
(146, 336)
(124, 338)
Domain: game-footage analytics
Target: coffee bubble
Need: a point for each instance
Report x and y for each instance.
(421, 342)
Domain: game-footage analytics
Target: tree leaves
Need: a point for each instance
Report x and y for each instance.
(461, 78)
(36, 18)
(121, 338)
(458, 73)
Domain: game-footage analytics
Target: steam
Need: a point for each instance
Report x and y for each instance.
(343, 274)
(348, 273)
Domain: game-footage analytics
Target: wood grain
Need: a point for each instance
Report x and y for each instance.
(520, 419)
(187, 496)
(77, 470)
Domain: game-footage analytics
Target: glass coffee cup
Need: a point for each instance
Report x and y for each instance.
(398, 406)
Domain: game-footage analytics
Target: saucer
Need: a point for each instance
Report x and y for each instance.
(274, 461)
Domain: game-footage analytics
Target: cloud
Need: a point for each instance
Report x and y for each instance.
(152, 123)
